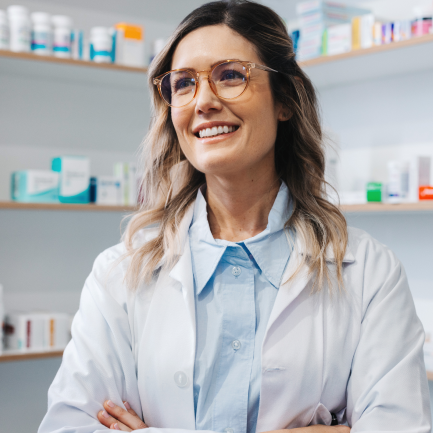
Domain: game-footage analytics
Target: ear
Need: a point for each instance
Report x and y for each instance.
(284, 114)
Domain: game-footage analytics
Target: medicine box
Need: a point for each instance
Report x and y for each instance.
(108, 190)
(129, 45)
(37, 331)
(35, 186)
(74, 180)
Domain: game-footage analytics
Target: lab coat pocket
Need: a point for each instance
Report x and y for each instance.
(321, 416)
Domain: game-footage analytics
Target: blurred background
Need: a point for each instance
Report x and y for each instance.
(74, 107)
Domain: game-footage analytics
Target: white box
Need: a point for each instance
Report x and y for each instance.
(56, 330)
(419, 175)
(127, 173)
(26, 332)
(109, 190)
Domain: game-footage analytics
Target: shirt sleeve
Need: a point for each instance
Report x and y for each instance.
(388, 388)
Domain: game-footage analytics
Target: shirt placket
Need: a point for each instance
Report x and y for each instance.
(238, 335)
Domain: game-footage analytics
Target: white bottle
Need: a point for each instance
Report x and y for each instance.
(41, 33)
(19, 28)
(101, 44)
(4, 31)
(62, 26)
(398, 181)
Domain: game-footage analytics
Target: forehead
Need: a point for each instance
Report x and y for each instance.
(207, 45)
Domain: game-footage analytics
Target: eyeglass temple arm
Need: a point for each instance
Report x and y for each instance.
(263, 68)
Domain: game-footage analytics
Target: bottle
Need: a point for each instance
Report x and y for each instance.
(4, 31)
(19, 28)
(41, 33)
(62, 26)
(101, 43)
(157, 46)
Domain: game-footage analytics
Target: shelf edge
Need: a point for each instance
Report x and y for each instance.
(72, 62)
(30, 355)
(366, 51)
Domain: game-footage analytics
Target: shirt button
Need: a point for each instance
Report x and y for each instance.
(236, 344)
(236, 271)
(181, 379)
(229, 430)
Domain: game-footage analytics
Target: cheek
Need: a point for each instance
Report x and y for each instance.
(181, 120)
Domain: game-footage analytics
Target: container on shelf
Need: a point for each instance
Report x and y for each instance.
(19, 28)
(35, 186)
(41, 33)
(77, 44)
(398, 181)
(157, 46)
(129, 44)
(4, 31)
(74, 181)
(62, 27)
(101, 44)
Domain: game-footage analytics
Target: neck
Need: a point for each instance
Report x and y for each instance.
(239, 206)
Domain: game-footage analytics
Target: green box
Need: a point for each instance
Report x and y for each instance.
(374, 191)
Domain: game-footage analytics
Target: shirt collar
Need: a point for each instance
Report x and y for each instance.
(270, 248)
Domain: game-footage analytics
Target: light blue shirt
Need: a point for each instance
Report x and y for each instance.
(235, 289)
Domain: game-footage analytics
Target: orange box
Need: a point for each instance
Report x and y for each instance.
(426, 192)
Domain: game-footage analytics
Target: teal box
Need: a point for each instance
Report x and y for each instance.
(35, 186)
(74, 178)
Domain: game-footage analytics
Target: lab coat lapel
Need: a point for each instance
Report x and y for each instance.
(167, 349)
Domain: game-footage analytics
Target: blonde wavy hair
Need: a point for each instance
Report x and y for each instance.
(170, 183)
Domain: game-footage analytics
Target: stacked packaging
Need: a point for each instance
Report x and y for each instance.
(38, 331)
(328, 28)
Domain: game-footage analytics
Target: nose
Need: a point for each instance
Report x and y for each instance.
(206, 101)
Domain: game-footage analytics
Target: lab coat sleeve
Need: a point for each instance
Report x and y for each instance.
(98, 363)
(388, 388)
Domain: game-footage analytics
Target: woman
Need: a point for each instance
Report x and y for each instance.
(239, 301)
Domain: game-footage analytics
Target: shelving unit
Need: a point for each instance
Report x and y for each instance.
(396, 58)
(9, 356)
(325, 71)
(426, 206)
(65, 207)
(71, 62)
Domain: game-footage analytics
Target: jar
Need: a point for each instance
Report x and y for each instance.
(41, 33)
(4, 31)
(62, 26)
(19, 28)
(101, 44)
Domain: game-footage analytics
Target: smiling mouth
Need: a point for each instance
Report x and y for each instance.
(215, 131)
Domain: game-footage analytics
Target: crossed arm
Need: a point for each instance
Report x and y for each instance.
(116, 418)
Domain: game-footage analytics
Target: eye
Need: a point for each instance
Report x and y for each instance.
(231, 74)
(181, 84)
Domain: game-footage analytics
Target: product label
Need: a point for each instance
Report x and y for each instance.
(40, 181)
(74, 176)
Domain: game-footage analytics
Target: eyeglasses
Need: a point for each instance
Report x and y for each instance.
(227, 79)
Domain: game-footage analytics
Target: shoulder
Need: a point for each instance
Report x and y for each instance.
(110, 267)
(367, 250)
(375, 272)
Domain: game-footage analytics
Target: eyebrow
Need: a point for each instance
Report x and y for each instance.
(211, 66)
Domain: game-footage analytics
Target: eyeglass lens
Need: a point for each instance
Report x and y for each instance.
(228, 81)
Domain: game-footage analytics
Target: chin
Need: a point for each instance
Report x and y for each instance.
(218, 164)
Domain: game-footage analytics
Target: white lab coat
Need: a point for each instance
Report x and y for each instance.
(357, 354)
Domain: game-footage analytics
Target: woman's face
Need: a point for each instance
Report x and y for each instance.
(254, 115)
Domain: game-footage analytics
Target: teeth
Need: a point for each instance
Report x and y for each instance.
(211, 132)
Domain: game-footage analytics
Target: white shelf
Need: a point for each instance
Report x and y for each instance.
(397, 58)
